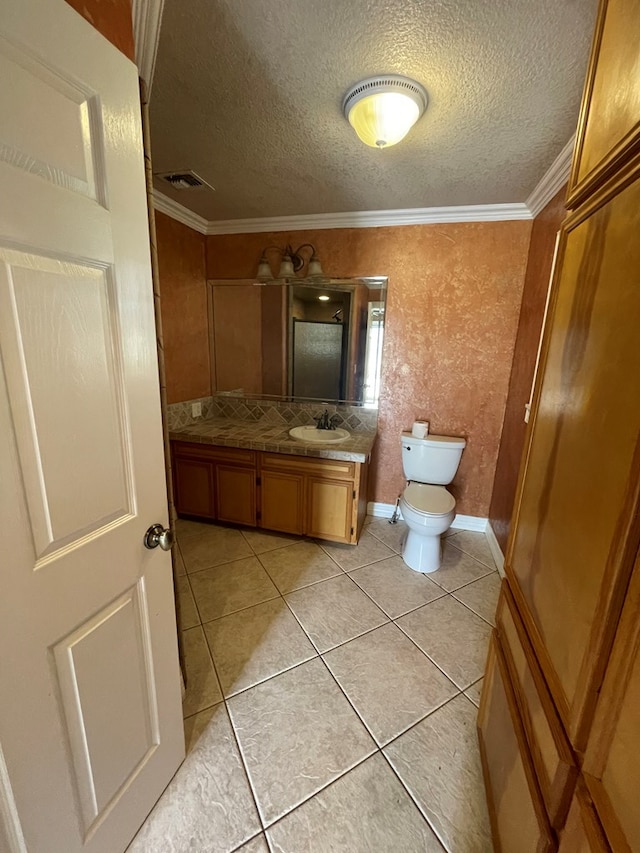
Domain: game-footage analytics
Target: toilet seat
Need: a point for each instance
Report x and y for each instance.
(429, 499)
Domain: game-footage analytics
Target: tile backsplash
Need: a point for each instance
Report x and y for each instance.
(354, 418)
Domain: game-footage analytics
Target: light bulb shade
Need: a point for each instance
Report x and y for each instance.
(264, 270)
(286, 267)
(383, 110)
(314, 267)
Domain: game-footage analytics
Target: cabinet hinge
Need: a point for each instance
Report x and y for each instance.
(352, 531)
(258, 514)
(353, 494)
(258, 481)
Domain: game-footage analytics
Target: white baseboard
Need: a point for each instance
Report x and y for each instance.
(460, 522)
(496, 550)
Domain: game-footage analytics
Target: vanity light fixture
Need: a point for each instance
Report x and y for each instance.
(291, 262)
(382, 110)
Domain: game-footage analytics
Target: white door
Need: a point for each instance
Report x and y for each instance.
(90, 722)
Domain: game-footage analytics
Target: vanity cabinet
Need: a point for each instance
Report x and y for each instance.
(215, 482)
(323, 498)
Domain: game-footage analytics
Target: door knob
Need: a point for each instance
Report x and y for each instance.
(158, 535)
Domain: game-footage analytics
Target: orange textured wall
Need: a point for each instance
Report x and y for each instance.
(543, 236)
(181, 261)
(112, 18)
(453, 305)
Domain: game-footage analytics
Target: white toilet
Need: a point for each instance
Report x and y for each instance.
(428, 508)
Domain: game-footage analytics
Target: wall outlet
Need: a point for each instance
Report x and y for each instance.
(196, 410)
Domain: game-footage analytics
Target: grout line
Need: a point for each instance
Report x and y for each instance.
(493, 568)
(471, 610)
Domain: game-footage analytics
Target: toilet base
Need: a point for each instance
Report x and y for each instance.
(422, 553)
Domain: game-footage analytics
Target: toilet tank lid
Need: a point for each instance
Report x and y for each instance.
(447, 441)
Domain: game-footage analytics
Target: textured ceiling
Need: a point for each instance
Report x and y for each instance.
(248, 94)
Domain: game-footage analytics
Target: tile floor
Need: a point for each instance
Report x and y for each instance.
(331, 697)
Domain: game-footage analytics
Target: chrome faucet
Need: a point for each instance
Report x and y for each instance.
(326, 422)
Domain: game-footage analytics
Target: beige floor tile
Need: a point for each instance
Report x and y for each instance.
(368, 550)
(481, 596)
(256, 845)
(393, 535)
(188, 613)
(202, 685)
(388, 680)
(186, 528)
(180, 567)
(454, 638)
(299, 565)
(255, 644)
(439, 762)
(297, 733)
(230, 587)
(395, 587)
(366, 811)
(262, 540)
(208, 804)
(212, 548)
(334, 611)
(457, 568)
(474, 692)
(475, 544)
(195, 725)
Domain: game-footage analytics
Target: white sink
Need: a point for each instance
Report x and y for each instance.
(319, 436)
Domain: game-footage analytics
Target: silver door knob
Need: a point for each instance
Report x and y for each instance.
(158, 535)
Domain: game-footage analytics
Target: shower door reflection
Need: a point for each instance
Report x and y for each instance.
(318, 362)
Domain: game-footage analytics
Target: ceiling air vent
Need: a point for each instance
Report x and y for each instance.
(187, 180)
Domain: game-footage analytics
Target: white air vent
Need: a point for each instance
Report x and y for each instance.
(185, 180)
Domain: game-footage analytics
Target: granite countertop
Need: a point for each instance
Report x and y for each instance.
(275, 438)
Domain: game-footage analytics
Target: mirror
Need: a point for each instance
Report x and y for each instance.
(298, 340)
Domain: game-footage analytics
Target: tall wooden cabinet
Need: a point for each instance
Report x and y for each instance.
(565, 651)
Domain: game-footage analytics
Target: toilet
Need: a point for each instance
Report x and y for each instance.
(427, 507)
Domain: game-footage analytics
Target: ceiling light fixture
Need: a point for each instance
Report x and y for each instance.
(323, 298)
(382, 110)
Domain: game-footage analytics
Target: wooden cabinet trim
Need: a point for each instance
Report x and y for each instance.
(496, 659)
(348, 531)
(327, 468)
(235, 455)
(578, 190)
(557, 790)
(583, 825)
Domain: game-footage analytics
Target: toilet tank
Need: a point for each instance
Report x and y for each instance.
(433, 459)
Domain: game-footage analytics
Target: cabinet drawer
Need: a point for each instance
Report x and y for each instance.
(518, 817)
(236, 455)
(550, 750)
(328, 469)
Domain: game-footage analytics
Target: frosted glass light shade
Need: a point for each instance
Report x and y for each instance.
(383, 110)
(286, 267)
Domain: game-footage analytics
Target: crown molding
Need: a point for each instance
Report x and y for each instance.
(147, 15)
(176, 211)
(552, 181)
(372, 218)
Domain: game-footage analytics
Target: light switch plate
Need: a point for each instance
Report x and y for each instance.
(196, 410)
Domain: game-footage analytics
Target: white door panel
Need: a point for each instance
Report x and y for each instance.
(90, 717)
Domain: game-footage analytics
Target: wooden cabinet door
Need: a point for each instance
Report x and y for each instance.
(518, 819)
(611, 766)
(236, 494)
(609, 125)
(329, 509)
(282, 501)
(573, 539)
(194, 487)
(550, 751)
